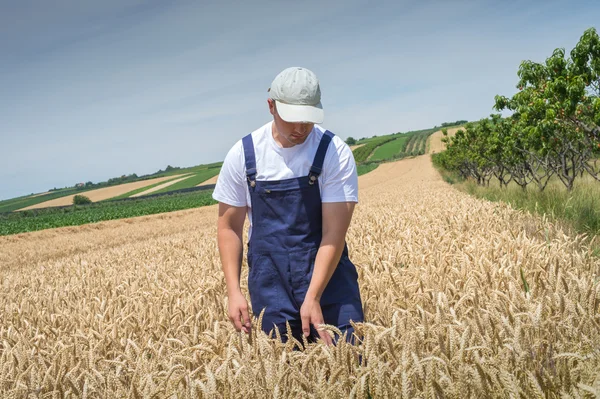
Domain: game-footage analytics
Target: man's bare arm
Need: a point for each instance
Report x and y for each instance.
(336, 219)
(230, 228)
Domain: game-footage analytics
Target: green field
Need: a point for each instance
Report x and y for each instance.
(411, 143)
(361, 154)
(13, 200)
(419, 148)
(392, 146)
(388, 150)
(366, 168)
(32, 220)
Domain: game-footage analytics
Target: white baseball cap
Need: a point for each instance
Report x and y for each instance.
(297, 94)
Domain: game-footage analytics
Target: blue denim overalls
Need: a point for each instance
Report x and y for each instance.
(286, 234)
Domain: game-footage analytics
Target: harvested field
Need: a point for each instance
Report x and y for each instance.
(435, 140)
(161, 186)
(101, 193)
(212, 180)
(463, 298)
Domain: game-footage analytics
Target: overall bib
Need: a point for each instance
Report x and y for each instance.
(286, 235)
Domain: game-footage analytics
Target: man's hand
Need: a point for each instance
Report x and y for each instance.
(238, 312)
(311, 313)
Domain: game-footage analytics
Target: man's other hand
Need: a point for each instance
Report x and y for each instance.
(238, 312)
(311, 313)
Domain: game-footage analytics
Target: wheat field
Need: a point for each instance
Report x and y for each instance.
(463, 299)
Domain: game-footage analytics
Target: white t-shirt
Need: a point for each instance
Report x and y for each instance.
(338, 182)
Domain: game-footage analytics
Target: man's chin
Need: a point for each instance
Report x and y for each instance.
(298, 140)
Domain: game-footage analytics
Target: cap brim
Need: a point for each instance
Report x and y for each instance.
(300, 113)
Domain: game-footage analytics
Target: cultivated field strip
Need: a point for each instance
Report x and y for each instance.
(463, 298)
(101, 194)
(161, 186)
(212, 180)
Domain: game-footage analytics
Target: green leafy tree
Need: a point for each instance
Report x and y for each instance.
(557, 110)
(350, 141)
(81, 200)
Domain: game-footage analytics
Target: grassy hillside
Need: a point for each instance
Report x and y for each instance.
(389, 149)
(361, 154)
(16, 199)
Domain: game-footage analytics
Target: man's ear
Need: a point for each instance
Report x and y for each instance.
(272, 108)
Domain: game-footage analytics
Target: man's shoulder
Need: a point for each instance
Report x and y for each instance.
(339, 144)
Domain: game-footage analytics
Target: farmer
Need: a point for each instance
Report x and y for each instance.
(297, 183)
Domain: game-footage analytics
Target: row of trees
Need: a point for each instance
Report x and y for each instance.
(458, 122)
(554, 129)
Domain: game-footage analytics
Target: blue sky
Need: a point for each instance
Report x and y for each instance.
(91, 90)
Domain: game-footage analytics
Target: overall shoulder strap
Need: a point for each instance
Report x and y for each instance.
(317, 166)
(250, 159)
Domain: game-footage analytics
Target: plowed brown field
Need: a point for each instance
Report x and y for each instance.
(137, 307)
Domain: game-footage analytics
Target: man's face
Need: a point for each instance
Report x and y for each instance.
(292, 132)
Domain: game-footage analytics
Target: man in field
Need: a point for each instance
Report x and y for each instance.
(298, 185)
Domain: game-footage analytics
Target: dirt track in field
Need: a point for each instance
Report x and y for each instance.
(101, 193)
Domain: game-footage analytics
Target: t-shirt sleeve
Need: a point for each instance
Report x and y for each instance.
(231, 185)
(340, 180)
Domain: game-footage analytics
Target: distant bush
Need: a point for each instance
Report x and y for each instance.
(459, 122)
(350, 141)
(81, 200)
